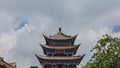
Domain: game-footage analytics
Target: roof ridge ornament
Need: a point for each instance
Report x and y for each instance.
(60, 29)
(1, 58)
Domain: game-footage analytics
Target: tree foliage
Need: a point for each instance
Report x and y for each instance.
(107, 53)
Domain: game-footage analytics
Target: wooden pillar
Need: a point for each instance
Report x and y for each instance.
(75, 66)
(48, 66)
(42, 66)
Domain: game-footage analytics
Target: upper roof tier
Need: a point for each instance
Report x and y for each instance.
(60, 36)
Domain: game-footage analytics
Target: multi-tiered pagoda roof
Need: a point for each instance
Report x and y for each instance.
(59, 51)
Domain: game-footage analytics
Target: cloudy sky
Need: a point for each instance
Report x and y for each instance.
(22, 23)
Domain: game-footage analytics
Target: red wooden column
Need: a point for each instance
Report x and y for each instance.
(42, 66)
(75, 66)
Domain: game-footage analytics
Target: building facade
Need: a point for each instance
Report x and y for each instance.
(59, 51)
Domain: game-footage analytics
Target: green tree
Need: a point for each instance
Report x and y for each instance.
(107, 53)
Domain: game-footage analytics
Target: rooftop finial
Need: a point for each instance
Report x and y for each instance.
(60, 29)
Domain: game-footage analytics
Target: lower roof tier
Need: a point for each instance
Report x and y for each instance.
(53, 60)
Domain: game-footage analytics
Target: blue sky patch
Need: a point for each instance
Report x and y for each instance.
(20, 23)
(116, 29)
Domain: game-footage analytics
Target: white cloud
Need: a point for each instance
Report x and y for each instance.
(7, 41)
(28, 39)
(40, 22)
(5, 21)
(7, 36)
(110, 18)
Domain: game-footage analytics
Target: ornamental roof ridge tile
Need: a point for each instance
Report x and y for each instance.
(13, 64)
